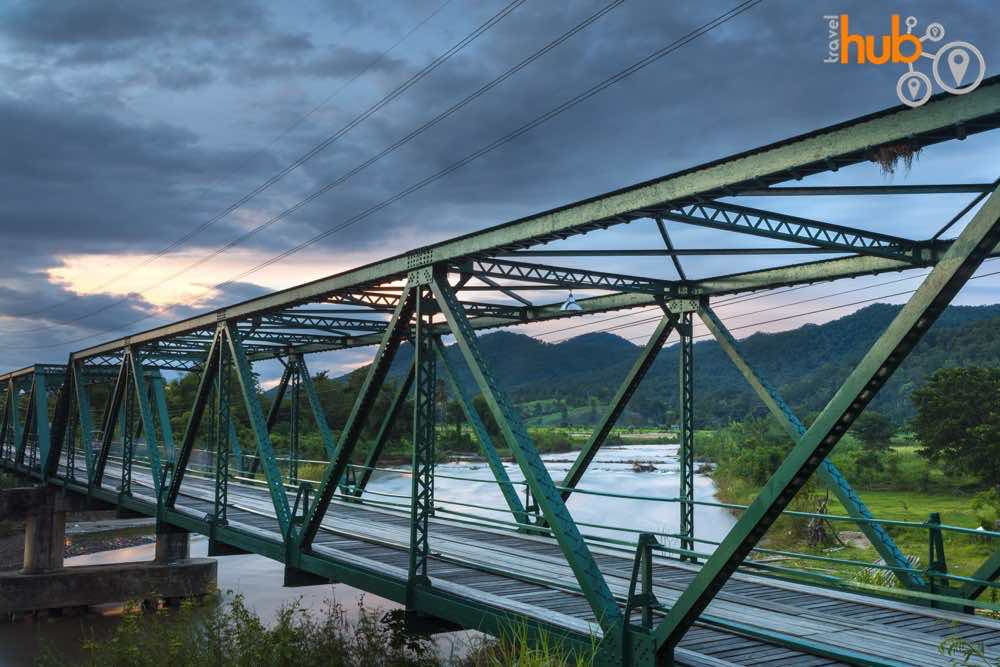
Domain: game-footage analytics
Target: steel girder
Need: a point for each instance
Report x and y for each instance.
(828, 473)
(486, 446)
(784, 227)
(618, 404)
(557, 517)
(965, 255)
(424, 435)
(251, 400)
(685, 453)
(221, 435)
(566, 277)
(315, 320)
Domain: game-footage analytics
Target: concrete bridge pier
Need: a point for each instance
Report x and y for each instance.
(44, 535)
(44, 584)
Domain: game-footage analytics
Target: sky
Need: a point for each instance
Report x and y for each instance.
(144, 140)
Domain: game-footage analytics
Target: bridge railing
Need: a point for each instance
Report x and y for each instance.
(847, 573)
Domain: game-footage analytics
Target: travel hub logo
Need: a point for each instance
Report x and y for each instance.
(963, 64)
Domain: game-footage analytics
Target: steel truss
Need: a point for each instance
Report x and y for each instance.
(420, 296)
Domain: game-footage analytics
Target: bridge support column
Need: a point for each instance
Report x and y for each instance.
(172, 544)
(44, 536)
(44, 584)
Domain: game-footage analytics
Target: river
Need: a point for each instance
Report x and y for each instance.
(260, 579)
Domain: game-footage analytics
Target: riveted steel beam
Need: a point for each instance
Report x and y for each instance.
(965, 255)
(566, 277)
(853, 190)
(784, 227)
(424, 436)
(828, 473)
(251, 401)
(685, 453)
(618, 404)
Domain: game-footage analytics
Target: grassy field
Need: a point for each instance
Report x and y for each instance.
(948, 495)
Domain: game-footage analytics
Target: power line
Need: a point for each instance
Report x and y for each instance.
(301, 160)
(260, 152)
(523, 129)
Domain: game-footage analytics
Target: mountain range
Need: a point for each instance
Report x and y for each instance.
(569, 382)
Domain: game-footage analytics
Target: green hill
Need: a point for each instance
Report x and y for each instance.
(806, 364)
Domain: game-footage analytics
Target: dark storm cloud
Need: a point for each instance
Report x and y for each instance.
(87, 182)
(80, 175)
(52, 27)
(184, 45)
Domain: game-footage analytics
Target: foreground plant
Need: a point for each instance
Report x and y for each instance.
(218, 631)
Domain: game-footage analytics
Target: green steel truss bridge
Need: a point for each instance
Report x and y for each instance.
(98, 425)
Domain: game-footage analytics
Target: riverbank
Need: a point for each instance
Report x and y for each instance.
(896, 483)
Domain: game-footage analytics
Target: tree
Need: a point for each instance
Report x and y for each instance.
(874, 430)
(454, 414)
(482, 407)
(958, 420)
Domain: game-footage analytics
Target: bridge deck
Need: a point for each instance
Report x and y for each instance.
(753, 621)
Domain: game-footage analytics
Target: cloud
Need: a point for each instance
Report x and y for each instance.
(133, 124)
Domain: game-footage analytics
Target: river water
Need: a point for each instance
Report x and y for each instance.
(260, 579)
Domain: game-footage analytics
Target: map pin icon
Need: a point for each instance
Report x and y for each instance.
(958, 62)
(914, 86)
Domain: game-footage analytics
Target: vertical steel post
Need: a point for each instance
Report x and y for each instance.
(952, 271)
(71, 431)
(424, 426)
(293, 425)
(128, 443)
(57, 430)
(222, 437)
(686, 451)
(574, 548)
